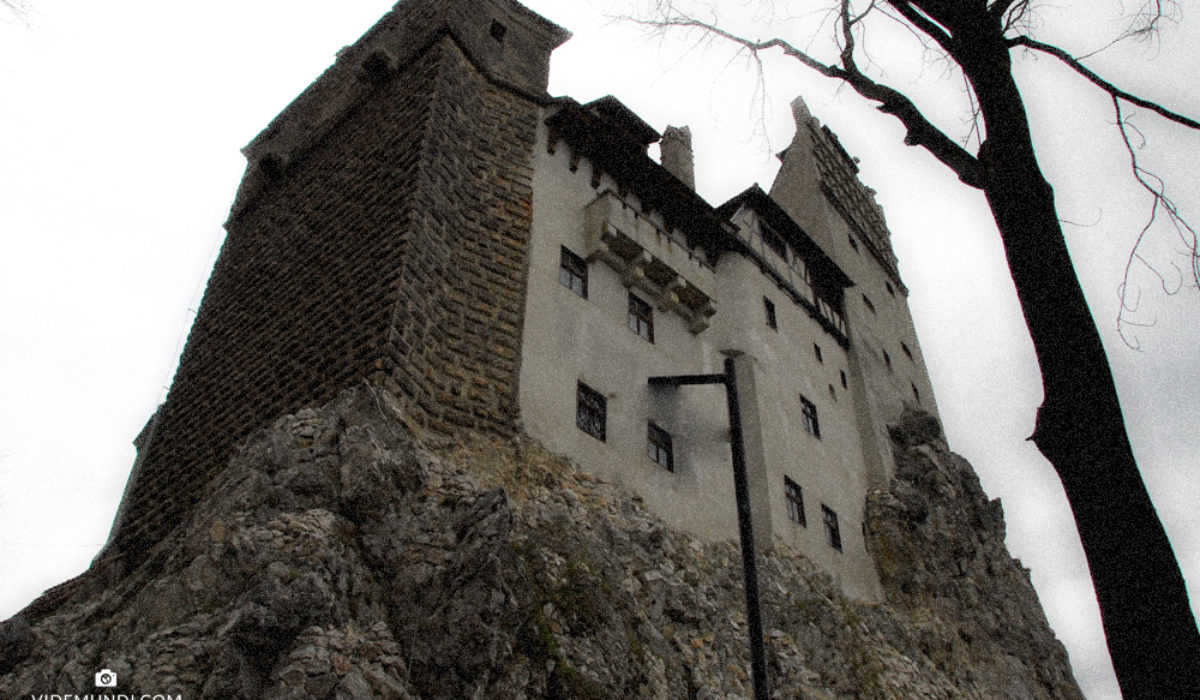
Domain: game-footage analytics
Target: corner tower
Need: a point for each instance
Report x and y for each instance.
(380, 233)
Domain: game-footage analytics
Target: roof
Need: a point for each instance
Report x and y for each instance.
(755, 198)
(614, 140)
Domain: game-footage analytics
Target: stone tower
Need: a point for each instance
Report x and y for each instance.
(380, 234)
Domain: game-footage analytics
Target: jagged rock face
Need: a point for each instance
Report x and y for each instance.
(336, 558)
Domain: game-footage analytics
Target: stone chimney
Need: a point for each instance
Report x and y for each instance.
(676, 150)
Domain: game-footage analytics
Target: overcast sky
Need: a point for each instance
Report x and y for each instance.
(120, 130)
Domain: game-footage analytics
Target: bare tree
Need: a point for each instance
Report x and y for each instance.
(1149, 626)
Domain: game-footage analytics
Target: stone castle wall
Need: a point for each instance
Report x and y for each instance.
(392, 250)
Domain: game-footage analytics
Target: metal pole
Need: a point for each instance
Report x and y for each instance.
(758, 657)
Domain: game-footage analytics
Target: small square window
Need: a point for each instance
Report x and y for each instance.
(658, 446)
(641, 318)
(907, 352)
(833, 535)
(810, 417)
(853, 243)
(842, 372)
(869, 305)
(770, 309)
(591, 411)
(817, 352)
(795, 501)
(498, 31)
(573, 272)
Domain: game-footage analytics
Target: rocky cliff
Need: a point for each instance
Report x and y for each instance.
(340, 557)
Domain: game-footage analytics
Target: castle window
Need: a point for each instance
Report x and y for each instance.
(773, 241)
(591, 411)
(853, 243)
(641, 318)
(832, 393)
(869, 305)
(833, 535)
(887, 360)
(572, 272)
(795, 501)
(890, 289)
(916, 394)
(658, 446)
(817, 352)
(498, 31)
(907, 352)
(770, 308)
(843, 373)
(810, 417)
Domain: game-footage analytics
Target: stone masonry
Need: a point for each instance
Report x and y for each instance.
(380, 234)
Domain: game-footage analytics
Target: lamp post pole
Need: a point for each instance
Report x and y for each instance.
(741, 486)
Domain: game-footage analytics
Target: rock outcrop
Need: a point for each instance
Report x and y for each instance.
(338, 557)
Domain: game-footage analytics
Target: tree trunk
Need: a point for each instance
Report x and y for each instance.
(1151, 633)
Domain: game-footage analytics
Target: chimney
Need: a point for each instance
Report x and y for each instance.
(676, 151)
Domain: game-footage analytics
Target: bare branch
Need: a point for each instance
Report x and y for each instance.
(920, 131)
(1157, 191)
(1103, 84)
(921, 21)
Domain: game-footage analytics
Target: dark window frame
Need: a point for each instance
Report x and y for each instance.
(641, 317)
(811, 423)
(833, 531)
(774, 241)
(772, 320)
(591, 411)
(795, 502)
(573, 272)
(659, 446)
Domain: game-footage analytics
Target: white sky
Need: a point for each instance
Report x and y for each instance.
(120, 124)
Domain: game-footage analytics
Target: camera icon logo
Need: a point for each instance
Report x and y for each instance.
(105, 678)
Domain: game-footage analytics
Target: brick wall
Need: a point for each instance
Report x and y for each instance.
(393, 249)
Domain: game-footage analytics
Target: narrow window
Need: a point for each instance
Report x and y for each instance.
(907, 352)
(770, 308)
(658, 446)
(795, 501)
(870, 306)
(853, 243)
(890, 289)
(817, 352)
(591, 411)
(810, 417)
(774, 242)
(843, 373)
(916, 394)
(498, 31)
(832, 393)
(833, 535)
(641, 318)
(572, 272)
(887, 360)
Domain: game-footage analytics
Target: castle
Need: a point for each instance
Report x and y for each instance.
(426, 218)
